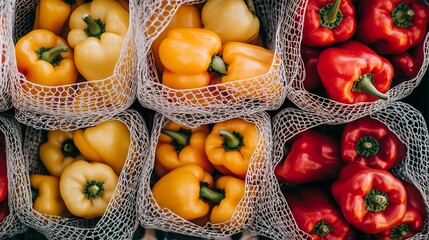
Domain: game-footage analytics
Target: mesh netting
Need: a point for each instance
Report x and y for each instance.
(275, 219)
(120, 219)
(216, 102)
(152, 216)
(12, 132)
(312, 102)
(84, 101)
(5, 47)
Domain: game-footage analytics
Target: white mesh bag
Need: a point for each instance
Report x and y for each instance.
(74, 105)
(150, 214)
(216, 102)
(12, 132)
(323, 105)
(5, 47)
(120, 219)
(275, 219)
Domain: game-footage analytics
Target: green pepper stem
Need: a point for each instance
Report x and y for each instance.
(322, 228)
(376, 201)
(367, 146)
(52, 54)
(402, 15)
(233, 140)
(365, 84)
(95, 27)
(331, 15)
(218, 65)
(399, 231)
(69, 149)
(251, 7)
(286, 150)
(180, 138)
(211, 195)
(93, 189)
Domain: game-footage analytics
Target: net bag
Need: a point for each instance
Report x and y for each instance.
(316, 102)
(12, 132)
(215, 102)
(151, 215)
(120, 218)
(85, 102)
(275, 219)
(5, 47)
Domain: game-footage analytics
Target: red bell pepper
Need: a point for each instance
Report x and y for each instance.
(4, 210)
(3, 168)
(309, 56)
(310, 156)
(407, 65)
(352, 72)
(371, 200)
(327, 22)
(317, 214)
(415, 198)
(392, 26)
(370, 142)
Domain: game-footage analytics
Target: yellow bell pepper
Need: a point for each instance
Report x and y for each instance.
(97, 32)
(45, 58)
(234, 192)
(179, 145)
(185, 16)
(230, 146)
(107, 142)
(52, 15)
(46, 196)
(58, 151)
(232, 20)
(181, 190)
(87, 188)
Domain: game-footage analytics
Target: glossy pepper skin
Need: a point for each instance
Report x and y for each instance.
(107, 142)
(97, 33)
(179, 145)
(309, 56)
(232, 20)
(52, 15)
(316, 213)
(393, 26)
(369, 142)
(3, 168)
(46, 196)
(58, 151)
(45, 58)
(327, 22)
(407, 65)
(230, 146)
(233, 190)
(87, 188)
(352, 73)
(186, 54)
(415, 198)
(180, 191)
(371, 200)
(310, 156)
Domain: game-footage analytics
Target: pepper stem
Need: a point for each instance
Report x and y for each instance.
(322, 228)
(399, 231)
(251, 7)
(34, 194)
(93, 189)
(211, 195)
(218, 65)
(95, 27)
(180, 138)
(365, 84)
(233, 140)
(69, 149)
(286, 150)
(402, 15)
(330, 15)
(367, 146)
(376, 201)
(52, 55)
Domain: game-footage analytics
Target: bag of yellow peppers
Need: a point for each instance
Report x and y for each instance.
(204, 175)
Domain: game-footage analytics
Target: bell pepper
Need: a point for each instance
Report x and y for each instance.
(230, 146)
(310, 156)
(179, 145)
(309, 56)
(415, 198)
(52, 15)
(45, 193)
(97, 33)
(107, 142)
(232, 20)
(187, 54)
(3, 168)
(58, 151)
(183, 190)
(4, 210)
(370, 142)
(87, 188)
(186, 16)
(393, 26)
(232, 190)
(316, 213)
(352, 73)
(327, 22)
(371, 200)
(45, 58)
(407, 65)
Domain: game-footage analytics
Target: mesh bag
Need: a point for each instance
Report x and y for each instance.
(12, 132)
(87, 102)
(216, 102)
(312, 102)
(118, 222)
(5, 47)
(151, 215)
(275, 219)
